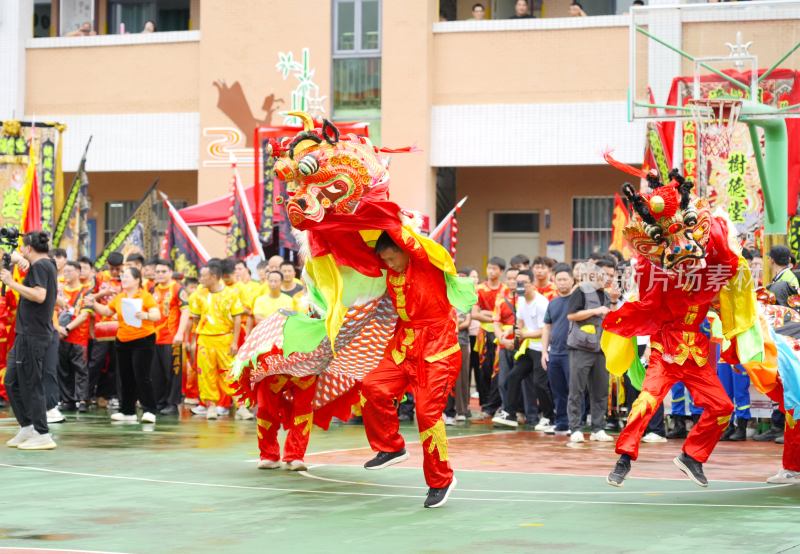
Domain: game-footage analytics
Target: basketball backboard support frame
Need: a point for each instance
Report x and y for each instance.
(672, 20)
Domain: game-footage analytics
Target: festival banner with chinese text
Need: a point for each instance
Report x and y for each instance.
(15, 147)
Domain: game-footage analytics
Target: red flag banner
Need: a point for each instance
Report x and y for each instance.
(181, 245)
(243, 238)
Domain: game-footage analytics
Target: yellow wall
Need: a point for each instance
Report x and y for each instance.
(406, 99)
(150, 78)
(240, 42)
(525, 188)
(530, 66)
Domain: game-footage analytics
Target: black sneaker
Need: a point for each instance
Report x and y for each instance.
(386, 459)
(692, 468)
(769, 435)
(438, 497)
(678, 430)
(504, 419)
(169, 410)
(779, 440)
(82, 407)
(621, 470)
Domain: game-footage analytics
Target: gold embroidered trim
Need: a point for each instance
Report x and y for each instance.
(438, 438)
(443, 354)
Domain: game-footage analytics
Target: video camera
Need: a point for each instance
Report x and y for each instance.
(9, 240)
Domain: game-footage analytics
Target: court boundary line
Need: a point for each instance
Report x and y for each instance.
(416, 497)
(33, 549)
(307, 473)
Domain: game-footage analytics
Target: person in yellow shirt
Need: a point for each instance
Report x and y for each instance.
(218, 311)
(274, 300)
(249, 290)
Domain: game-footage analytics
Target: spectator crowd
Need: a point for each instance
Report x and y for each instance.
(139, 335)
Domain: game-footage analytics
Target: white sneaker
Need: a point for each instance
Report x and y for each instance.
(268, 464)
(785, 477)
(119, 416)
(504, 419)
(191, 401)
(601, 436)
(577, 436)
(148, 417)
(296, 465)
(24, 434)
(113, 404)
(449, 420)
(222, 412)
(564, 433)
(38, 442)
(461, 418)
(199, 410)
(55, 416)
(212, 414)
(243, 413)
(474, 395)
(543, 424)
(653, 437)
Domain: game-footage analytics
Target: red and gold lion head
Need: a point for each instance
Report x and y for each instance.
(326, 173)
(669, 227)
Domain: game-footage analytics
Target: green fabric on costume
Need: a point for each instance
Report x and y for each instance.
(636, 371)
(302, 334)
(461, 292)
(750, 345)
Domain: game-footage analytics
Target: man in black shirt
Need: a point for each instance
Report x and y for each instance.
(34, 328)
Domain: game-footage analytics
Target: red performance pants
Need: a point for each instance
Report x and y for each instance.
(431, 383)
(286, 400)
(791, 434)
(707, 393)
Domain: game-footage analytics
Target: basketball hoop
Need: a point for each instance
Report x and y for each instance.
(716, 120)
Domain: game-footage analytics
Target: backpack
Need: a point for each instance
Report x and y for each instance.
(585, 335)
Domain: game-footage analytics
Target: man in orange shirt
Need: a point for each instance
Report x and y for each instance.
(102, 355)
(72, 326)
(167, 362)
(542, 267)
(483, 311)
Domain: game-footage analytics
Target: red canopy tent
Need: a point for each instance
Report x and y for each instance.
(217, 211)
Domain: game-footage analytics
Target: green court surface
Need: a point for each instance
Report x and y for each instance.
(192, 486)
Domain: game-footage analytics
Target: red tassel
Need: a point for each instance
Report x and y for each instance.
(630, 170)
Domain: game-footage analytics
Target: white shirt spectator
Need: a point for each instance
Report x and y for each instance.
(531, 314)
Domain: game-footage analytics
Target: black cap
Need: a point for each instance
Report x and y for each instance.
(115, 259)
(780, 254)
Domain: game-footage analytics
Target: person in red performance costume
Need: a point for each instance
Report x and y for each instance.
(685, 260)
(423, 355)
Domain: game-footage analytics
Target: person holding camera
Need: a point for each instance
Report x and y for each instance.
(530, 311)
(135, 345)
(34, 327)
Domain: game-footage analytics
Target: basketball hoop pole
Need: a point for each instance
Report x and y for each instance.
(772, 166)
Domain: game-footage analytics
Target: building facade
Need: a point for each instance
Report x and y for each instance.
(514, 113)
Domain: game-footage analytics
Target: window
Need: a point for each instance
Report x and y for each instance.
(591, 225)
(357, 62)
(357, 28)
(42, 13)
(74, 13)
(131, 15)
(512, 233)
(118, 213)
